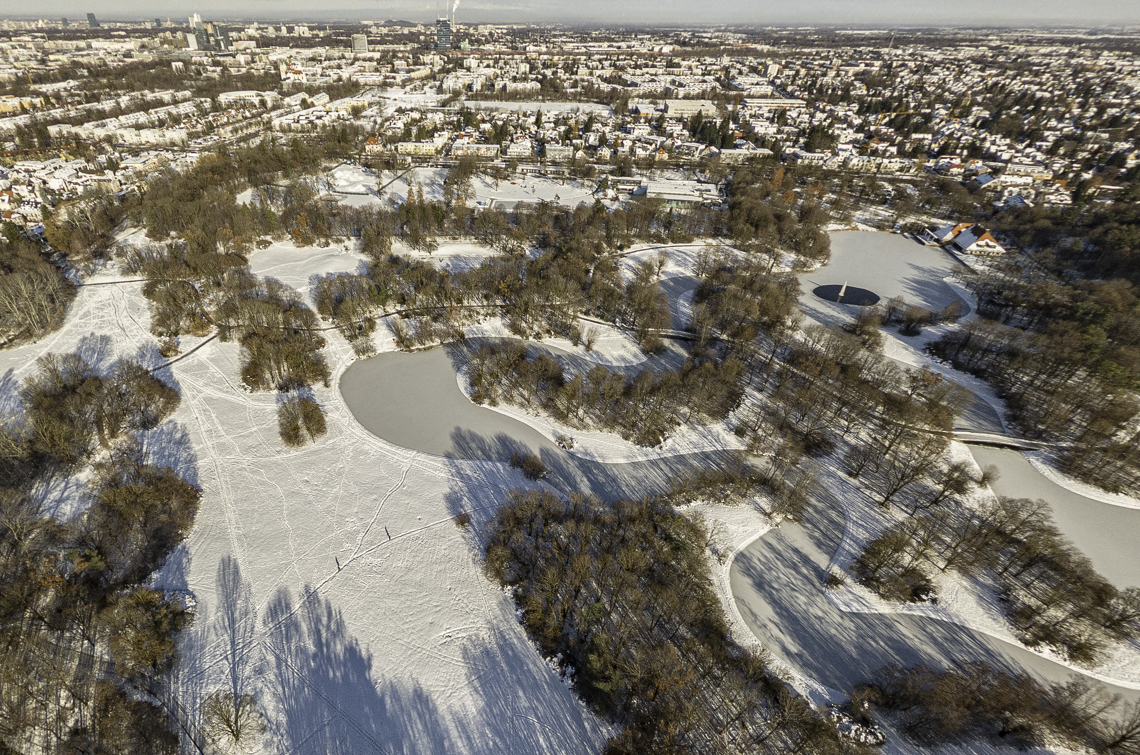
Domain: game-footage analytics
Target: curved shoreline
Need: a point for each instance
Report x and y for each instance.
(435, 384)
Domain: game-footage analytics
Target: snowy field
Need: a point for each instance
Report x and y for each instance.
(369, 624)
(487, 191)
(298, 267)
(359, 614)
(352, 179)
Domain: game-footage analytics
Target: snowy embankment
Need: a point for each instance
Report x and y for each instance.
(1045, 463)
(736, 528)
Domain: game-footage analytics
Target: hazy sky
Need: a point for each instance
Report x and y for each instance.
(863, 12)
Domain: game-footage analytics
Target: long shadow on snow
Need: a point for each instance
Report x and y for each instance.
(322, 682)
(778, 587)
(328, 702)
(570, 474)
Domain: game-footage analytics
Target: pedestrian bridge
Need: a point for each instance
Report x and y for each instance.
(1002, 441)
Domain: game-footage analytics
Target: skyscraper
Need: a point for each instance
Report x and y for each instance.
(359, 43)
(201, 38)
(218, 35)
(92, 23)
(442, 34)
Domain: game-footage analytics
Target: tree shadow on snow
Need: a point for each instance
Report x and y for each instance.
(97, 350)
(169, 445)
(10, 402)
(789, 608)
(321, 683)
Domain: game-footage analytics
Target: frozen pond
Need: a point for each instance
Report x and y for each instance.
(886, 264)
(413, 400)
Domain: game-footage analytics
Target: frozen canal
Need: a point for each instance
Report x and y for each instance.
(1103, 532)
(414, 400)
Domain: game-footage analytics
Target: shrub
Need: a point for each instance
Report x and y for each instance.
(652, 344)
(462, 519)
(300, 420)
(530, 464)
(168, 347)
(589, 338)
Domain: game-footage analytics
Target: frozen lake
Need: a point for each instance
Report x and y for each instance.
(886, 264)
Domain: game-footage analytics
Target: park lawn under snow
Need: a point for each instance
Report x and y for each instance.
(298, 267)
(369, 625)
(406, 646)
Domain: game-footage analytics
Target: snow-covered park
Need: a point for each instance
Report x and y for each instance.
(332, 582)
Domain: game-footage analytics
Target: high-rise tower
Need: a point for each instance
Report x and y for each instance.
(442, 34)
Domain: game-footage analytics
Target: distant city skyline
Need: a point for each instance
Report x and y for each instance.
(639, 12)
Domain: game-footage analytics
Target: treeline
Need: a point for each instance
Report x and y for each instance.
(576, 272)
(765, 212)
(34, 293)
(621, 595)
(81, 229)
(82, 640)
(200, 206)
(825, 385)
(786, 479)
(644, 408)
(1100, 240)
(979, 701)
(1051, 593)
(1068, 368)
